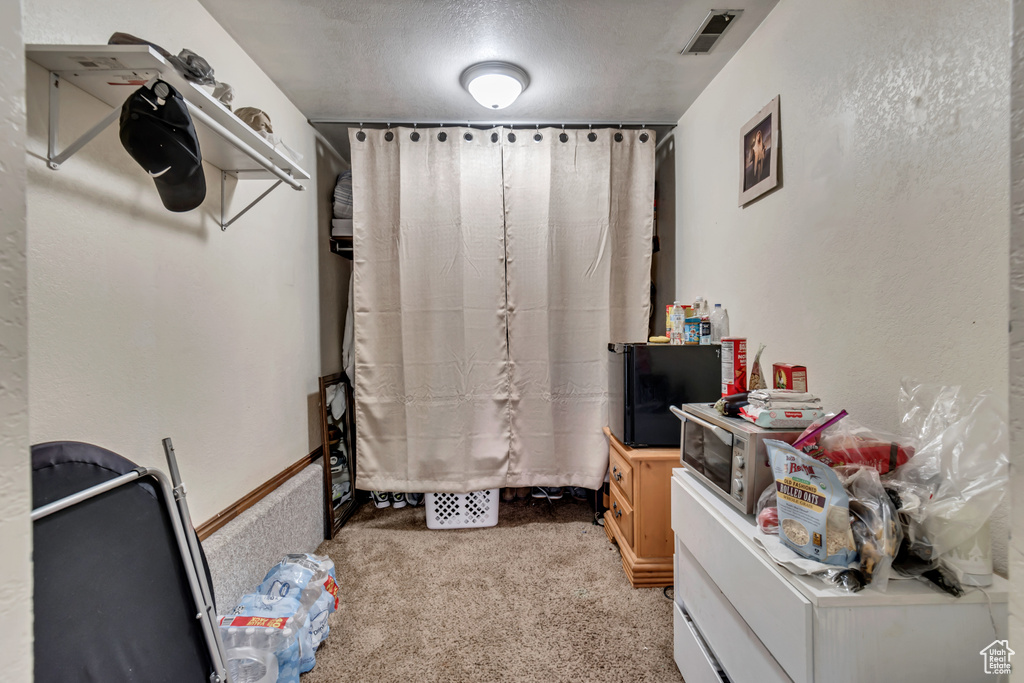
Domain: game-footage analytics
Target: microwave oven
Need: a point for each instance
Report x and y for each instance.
(727, 453)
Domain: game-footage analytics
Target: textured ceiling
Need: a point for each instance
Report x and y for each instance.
(400, 60)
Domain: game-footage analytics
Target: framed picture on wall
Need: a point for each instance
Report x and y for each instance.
(759, 153)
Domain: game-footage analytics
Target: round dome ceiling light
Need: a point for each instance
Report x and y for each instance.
(494, 85)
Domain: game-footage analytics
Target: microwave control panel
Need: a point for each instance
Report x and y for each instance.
(739, 461)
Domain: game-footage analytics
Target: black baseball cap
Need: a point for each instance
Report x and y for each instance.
(157, 131)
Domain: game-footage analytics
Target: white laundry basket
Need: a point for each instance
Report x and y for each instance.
(462, 510)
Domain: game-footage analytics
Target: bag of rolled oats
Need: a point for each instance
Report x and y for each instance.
(814, 508)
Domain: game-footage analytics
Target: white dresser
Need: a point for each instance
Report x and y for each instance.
(740, 617)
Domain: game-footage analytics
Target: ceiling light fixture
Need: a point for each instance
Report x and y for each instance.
(494, 85)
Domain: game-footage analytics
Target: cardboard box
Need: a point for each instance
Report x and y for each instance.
(788, 376)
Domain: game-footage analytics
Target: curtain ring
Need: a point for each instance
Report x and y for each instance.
(360, 136)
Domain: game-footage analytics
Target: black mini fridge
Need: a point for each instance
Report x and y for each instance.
(645, 379)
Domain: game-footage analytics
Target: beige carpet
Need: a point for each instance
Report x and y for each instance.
(540, 597)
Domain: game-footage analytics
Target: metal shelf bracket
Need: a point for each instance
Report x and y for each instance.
(224, 222)
(55, 158)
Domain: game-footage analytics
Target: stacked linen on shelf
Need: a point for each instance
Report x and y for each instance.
(341, 225)
(781, 408)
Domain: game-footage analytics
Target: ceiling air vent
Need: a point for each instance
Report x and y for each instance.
(714, 26)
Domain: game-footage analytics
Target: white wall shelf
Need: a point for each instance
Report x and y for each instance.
(111, 73)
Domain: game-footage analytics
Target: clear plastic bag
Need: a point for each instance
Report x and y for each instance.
(838, 440)
(959, 476)
(767, 511)
(875, 525)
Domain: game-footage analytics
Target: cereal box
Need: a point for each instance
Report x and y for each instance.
(788, 376)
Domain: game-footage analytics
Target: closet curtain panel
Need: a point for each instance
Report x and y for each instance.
(432, 389)
(579, 227)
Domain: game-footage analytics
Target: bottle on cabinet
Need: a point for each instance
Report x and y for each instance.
(678, 320)
(705, 326)
(719, 324)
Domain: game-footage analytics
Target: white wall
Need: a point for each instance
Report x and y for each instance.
(15, 482)
(146, 324)
(1017, 332)
(885, 252)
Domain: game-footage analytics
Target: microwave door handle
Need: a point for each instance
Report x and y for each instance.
(724, 435)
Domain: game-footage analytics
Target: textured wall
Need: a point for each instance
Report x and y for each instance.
(148, 324)
(15, 484)
(885, 252)
(289, 520)
(1017, 333)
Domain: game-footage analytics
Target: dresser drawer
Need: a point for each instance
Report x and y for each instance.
(622, 513)
(620, 471)
(725, 635)
(774, 612)
(688, 649)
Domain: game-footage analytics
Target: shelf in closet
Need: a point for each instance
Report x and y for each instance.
(110, 73)
(342, 246)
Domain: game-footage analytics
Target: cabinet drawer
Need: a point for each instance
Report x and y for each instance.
(620, 471)
(689, 651)
(622, 513)
(749, 583)
(724, 633)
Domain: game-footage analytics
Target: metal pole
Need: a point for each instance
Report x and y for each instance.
(85, 494)
(517, 124)
(54, 123)
(242, 147)
(179, 496)
(209, 621)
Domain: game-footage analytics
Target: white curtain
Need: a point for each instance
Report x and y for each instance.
(490, 273)
(579, 227)
(430, 332)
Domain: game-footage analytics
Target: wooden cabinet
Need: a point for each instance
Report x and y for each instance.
(639, 514)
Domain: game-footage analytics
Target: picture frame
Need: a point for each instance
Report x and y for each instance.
(759, 153)
(337, 424)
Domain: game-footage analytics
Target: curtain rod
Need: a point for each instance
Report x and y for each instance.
(368, 122)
